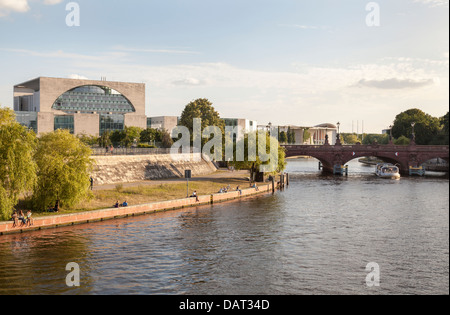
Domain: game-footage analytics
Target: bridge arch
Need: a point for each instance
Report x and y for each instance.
(387, 158)
(425, 158)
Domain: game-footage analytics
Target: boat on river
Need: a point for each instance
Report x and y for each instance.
(387, 170)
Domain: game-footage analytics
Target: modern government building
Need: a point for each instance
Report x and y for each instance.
(81, 106)
(93, 107)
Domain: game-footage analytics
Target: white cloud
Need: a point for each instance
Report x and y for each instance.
(304, 27)
(52, 2)
(20, 6)
(77, 77)
(395, 83)
(306, 95)
(60, 54)
(8, 6)
(434, 3)
(157, 51)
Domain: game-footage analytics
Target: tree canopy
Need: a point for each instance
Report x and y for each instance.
(64, 166)
(17, 167)
(254, 149)
(201, 108)
(426, 126)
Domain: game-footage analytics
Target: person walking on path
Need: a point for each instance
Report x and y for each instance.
(91, 180)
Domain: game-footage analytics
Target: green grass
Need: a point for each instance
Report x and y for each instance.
(143, 194)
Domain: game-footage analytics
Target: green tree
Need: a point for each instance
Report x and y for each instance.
(291, 136)
(444, 123)
(375, 138)
(131, 136)
(64, 165)
(148, 135)
(254, 163)
(88, 139)
(17, 167)
(426, 126)
(306, 135)
(442, 137)
(203, 109)
(350, 138)
(117, 137)
(402, 141)
(283, 137)
(105, 139)
(166, 139)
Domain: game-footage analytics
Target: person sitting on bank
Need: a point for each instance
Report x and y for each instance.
(238, 188)
(22, 218)
(30, 220)
(194, 195)
(116, 205)
(255, 186)
(125, 204)
(55, 208)
(14, 218)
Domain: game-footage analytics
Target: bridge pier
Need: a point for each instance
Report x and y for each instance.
(340, 170)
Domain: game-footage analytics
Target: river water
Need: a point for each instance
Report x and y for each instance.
(316, 237)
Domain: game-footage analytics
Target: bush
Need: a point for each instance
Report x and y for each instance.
(145, 146)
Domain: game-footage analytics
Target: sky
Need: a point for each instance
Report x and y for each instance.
(288, 62)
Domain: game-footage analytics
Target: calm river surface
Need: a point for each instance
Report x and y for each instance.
(316, 237)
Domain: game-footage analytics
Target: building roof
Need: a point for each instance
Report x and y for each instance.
(327, 125)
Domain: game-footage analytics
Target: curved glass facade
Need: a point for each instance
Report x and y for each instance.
(90, 99)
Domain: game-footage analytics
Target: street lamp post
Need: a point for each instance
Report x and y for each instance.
(390, 133)
(338, 136)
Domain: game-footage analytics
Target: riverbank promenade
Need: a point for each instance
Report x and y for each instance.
(55, 221)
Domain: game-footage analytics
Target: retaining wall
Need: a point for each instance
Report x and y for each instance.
(134, 168)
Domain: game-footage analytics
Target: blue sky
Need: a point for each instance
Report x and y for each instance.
(285, 61)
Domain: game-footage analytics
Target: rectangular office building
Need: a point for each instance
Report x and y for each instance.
(82, 106)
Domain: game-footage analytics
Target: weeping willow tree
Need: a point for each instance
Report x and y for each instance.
(259, 152)
(17, 168)
(64, 166)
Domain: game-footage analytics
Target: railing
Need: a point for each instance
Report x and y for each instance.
(421, 148)
(129, 151)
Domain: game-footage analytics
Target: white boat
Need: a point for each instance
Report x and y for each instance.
(386, 170)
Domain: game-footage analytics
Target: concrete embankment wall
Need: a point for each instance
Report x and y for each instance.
(54, 221)
(134, 168)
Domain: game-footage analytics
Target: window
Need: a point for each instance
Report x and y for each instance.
(111, 123)
(27, 119)
(64, 122)
(98, 99)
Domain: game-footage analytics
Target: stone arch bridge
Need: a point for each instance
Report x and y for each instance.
(403, 156)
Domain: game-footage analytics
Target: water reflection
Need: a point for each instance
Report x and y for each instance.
(315, 237)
